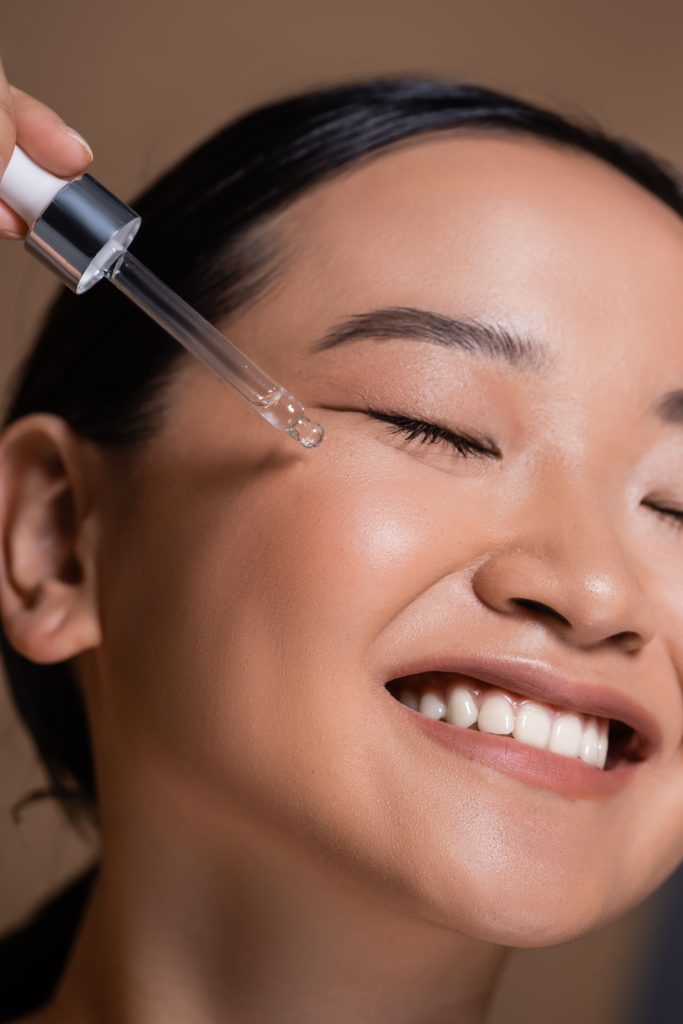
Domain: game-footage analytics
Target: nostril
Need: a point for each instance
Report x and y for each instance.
(544, 609)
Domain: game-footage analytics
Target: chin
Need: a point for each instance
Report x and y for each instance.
(515, 901)
(502, 918)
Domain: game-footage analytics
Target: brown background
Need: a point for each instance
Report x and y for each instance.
(145, 80)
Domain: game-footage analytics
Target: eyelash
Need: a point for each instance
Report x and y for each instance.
(671, 515)
(432, 433)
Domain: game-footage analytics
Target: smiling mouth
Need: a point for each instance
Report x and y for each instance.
(477, 706)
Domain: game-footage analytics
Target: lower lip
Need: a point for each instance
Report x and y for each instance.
(571, 777)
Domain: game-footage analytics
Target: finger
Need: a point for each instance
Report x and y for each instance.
(44, 136)
(11, 224)
(7, 132)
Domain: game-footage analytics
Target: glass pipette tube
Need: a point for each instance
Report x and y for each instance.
(200, 337)
(82, 232)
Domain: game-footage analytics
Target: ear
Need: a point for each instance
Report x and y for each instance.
(48, 594)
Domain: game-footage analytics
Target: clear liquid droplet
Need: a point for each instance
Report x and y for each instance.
(307, 433)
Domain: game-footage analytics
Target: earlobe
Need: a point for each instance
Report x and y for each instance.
(47, 551)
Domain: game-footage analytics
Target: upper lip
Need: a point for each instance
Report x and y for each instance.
(535, 679)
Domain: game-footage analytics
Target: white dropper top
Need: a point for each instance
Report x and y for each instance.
(27, 188)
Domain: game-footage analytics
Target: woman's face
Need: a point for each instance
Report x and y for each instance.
(255, 596)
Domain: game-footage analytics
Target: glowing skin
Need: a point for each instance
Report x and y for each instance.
(278, 845)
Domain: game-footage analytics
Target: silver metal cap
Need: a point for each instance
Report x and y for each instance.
(83, 230)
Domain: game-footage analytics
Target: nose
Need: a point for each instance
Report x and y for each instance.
(565, 564)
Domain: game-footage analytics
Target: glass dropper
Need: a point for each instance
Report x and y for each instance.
(81, 231)
(201, 338)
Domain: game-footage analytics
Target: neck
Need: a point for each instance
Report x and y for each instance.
(260, 932)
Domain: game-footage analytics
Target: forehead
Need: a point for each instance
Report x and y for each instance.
(551, 241)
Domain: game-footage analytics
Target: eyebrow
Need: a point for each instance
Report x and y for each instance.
(486, 339)
(477, 337)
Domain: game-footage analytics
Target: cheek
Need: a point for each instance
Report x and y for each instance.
(243, 617)
(347, 543)
(656, 846)
(221, 590)
(346, 553)
(667, 593)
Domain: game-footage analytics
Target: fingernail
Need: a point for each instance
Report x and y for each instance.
(78, 138)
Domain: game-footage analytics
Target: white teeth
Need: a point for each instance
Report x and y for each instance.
(603, 739)
(532, 724)
(496, 714)
(462, 707)
(589, 743)
(432, 706)
(566, 735)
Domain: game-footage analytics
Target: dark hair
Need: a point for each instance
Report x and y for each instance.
(102, 366)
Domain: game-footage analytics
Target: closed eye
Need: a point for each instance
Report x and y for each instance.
(673, 516)
(432, 433)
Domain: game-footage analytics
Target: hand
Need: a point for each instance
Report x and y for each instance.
(43, 136)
